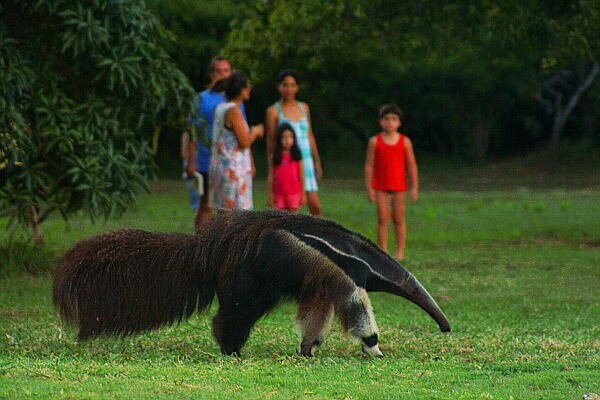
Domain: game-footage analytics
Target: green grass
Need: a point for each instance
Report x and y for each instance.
(516, 270)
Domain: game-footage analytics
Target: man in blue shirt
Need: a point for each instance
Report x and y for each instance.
(208, 101)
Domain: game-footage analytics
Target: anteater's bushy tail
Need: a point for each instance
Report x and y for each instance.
(128, 281)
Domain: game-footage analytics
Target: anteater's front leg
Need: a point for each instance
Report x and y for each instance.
(231, 328)
(313, 322)
(241, 304)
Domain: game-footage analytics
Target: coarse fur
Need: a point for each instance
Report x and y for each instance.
(128, 281)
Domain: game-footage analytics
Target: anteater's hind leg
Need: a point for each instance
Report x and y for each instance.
(313, 322)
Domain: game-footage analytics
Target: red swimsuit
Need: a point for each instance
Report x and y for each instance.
(389, 172)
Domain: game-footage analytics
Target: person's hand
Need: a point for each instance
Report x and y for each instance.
(371, 194)
(318, 171)
(253, 170)
(258, 130)
(304, 199)
(190, 169)
(414, 194)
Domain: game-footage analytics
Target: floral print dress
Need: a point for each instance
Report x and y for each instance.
(230, 176)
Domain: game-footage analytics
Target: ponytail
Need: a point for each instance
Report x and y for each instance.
(232, 86)
(220, 86)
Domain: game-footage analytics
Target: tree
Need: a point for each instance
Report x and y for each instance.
(199, 30)
(561, 92)
(570, 59)
(82, 84)
(465, 70)
(358, 54)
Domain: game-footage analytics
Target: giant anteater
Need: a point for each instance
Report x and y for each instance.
(127, 281)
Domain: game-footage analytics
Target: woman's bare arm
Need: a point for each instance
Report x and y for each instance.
(235, 119)
(313, 144)
(271, 121)
(301, 177)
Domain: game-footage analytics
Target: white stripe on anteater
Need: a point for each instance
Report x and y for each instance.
(340, 252)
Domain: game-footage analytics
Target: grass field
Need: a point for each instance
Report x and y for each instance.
(512, 258)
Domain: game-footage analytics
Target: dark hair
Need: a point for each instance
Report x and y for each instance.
(285, 73)
(294, 151)
(219, 86)
(216, 59)
(390, 109)
(232, 86)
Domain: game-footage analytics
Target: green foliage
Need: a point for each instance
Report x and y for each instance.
(467, 74)
(559, 32)
(199, 30)
(83, 84)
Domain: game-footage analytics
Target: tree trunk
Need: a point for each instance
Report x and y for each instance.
(562, 115)
(38, 238)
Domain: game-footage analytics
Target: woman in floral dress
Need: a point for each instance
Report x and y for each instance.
(231, 166)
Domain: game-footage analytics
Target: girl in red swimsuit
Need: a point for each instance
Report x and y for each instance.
(389, 155)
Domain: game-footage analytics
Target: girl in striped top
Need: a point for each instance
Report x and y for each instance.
(297, 114)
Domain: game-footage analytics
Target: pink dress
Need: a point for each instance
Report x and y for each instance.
(287, 188)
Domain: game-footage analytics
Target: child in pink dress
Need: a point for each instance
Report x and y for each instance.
(287, 184)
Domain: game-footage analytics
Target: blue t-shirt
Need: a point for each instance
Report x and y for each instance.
(207, 102)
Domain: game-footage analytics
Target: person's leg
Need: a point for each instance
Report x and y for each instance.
(398, 208)
(292, 202)
(382, 201)
(192, 193)
(314, 206)
(204, 213)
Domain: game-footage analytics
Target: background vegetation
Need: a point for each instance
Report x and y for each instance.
(476, 79)
(83, 86)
